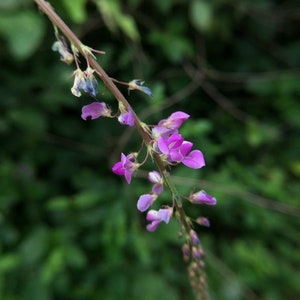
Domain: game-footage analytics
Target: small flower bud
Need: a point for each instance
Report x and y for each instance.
(194, 237)
(202, 197)
(203, 221)
(196, 253)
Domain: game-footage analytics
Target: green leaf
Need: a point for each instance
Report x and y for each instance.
(201, 15)
(114, 18)
(76, 10)
(23, 31)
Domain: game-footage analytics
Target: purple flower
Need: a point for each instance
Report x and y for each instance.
(126, 166)
(156, 217)
(158, 181)
(126, 118)
(170, 145)
(174, 121)
(145, 201)
(202, 197)
(192, 159)
(169, 126)
(95, 110)
(178, 150)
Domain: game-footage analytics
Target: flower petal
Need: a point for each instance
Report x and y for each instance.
(194, 160)
(145, 201)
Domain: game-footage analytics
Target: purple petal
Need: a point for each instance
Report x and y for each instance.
(157, 188)
(194, 160)
(94, 110)
(153, 226)
(203, 198)
(176, 119)
(128, 176)
(163, 146)
(175, 141)
(152, 215)
(154, 177)
(165, 214)
(145, 201)
(118, 168)
(126, 118)
(185, 148)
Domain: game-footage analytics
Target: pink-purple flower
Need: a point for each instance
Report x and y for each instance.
(174, 121)
(127, 166)
(176, 150)
(95, 110)
(156, 217)
(202, 197)
(169, 126)
(126, 118)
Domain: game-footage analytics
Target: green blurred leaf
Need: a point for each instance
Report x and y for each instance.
(114, 18)
(8, 262)
(23, 30)
(201, 14)
(76, 10)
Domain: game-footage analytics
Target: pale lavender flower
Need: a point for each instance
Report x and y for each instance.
(91, 84)
(156, 217)
(79, 83)
(156, 178)
(145, 201)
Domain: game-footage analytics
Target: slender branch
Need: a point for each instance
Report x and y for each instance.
(143, 130)
(59, 23)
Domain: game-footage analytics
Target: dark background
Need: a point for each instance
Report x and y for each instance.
(69, 227)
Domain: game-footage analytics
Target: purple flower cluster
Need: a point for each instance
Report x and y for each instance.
(172, 149)
(163, 140)
(172, 146)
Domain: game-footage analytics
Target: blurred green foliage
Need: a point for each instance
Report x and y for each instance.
(69, 228)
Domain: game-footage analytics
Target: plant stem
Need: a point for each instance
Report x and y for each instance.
(46, 8)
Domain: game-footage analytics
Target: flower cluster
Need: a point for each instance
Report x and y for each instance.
(163, 140)
(169, 144)
(164, 144)
(84, 81)
(193, 252)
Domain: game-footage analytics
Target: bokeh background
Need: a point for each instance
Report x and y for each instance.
(69, 228)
